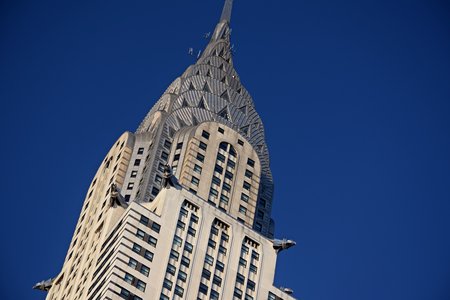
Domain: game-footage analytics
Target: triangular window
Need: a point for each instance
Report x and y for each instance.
(224, 113)
(184, 103)
(208, 62)
(243, 109)
(225, 95)
(197, 73)
(191, 87)
(194, 121)
(206, 88)
(221, 53)
(245, 129)
(202, 104)
(224, 79)
(239, 90)
(222, 67)
(208, 74)
(181, 122)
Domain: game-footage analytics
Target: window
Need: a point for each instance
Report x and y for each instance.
(171, 269)
(194, 219)
(240, 278)
(228, 175)
(148, 255)
(185, 261)
(226, 187)
(260, 214)
(140, 151)
(132, 263)
(177, 241)
(145, 270)
(140, 285)
(212, 243)
(156, 227)
(258, 226)
(191, 231)
(200, 157)
(216, 180)
(202, 146)
(206, 274)
(127, 198)
(224, 199)
(137, 162)
(248, 174)
(130, 186)
(242, 262)
(133, 174)
(218, 169)
(237, 293)
(221, 157)
(253, 268)
(161, 167)
(231, 164)
(213, 192)
(251, 162)
(176, 157)
(144, 220)
(240, 142)
(209, 259)
(244, 197)
(167, 144)
(221, 130)
(158, 178)
(167, 284)
(194, 180)
(205, 134)
(124, 293)
(246, 185)
(271, 296)
(179, 291)
(140, 234)
(242, 209)
(179, 146)
(137, 248)
(152, 241)
(203, 289)
(188, 247)
(164, 155)
(155, 191)
(251, 285)
(197, 169)
(182, 276)
(128, 278)
(214, 295)
(181, 224)
(220, 266)
(217, 280)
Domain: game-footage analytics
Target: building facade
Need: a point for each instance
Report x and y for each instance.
(181, 209)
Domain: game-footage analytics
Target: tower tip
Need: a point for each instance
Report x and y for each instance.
(226, 12)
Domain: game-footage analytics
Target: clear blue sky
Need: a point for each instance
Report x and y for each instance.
(354, 95)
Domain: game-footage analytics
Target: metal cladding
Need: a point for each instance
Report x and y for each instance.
(210, 90)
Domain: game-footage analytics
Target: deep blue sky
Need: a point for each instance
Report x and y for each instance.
(354, 95)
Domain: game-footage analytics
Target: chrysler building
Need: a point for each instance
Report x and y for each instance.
(181, 208)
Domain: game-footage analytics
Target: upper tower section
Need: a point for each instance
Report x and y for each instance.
(210, 91)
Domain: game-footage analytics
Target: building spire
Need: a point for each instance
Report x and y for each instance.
(226, 12)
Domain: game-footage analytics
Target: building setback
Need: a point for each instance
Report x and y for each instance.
(181, 208)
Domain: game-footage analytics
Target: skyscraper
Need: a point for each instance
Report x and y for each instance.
(181, 208)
